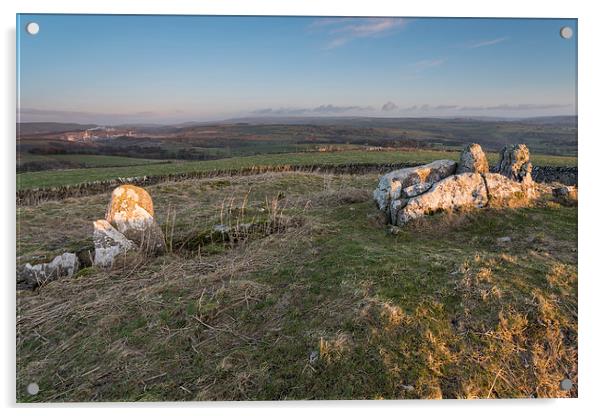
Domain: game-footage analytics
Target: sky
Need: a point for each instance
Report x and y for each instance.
(111, 69)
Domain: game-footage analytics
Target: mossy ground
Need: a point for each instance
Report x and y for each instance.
(333, 308)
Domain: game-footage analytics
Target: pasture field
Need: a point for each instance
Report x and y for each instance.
(329, 305)
(90, 161)
(46, 179)
(32, 162)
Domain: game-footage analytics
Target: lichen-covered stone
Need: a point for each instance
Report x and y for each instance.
(31, 277)
(396, 206)
(473, 159)
(504, 192)
(411, 193)
(466, 190)
(131, 213)
(514, 163)
(109, 244)
(390, 185)
(125, 201)
(415, 190)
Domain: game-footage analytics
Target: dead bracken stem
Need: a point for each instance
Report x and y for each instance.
(173, 226)
(493, 384)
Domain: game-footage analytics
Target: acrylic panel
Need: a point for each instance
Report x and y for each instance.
(276, 208)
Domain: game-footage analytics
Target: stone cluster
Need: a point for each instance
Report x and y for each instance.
(128, 226)
(444, 185)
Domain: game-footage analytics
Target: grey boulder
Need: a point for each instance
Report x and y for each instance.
(390, 185)
(109, 244)
(31, 277)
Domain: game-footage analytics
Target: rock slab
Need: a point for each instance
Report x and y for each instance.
(65, 265)
(109, 244)
(506, 193)
(452, 193)
(391, 185)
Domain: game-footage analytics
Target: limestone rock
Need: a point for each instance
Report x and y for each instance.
(125, 200)
(131, 212)
(390, 185)
(454, 192)
(473, 159)
(221, 228)
(514, 163)
(565, 195)
(109, 243)
(395, 207)
(31, 277)
(415, 190)
(504, 192)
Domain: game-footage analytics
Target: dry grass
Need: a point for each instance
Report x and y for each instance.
(115, 313)
(438, 311)
(494, 346)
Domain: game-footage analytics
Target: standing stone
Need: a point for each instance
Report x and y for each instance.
(514, 163)
(108, 244)
(467, 190)
(473, 159)
(131, 212)
(125, 199)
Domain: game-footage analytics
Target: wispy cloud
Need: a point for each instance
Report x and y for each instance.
(427, 63)
(321, 109)
(514, 107)
(454, 109)
(344, 30)
(488, 42)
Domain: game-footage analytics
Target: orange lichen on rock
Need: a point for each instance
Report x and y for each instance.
(124, 201)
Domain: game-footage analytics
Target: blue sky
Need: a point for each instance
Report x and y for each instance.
(114, 69)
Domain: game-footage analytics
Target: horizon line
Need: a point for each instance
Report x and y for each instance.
(268, 117)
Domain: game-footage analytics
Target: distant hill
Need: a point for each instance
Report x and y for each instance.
(556, 120)
(47, 127)
(259, 135)
(569, 121)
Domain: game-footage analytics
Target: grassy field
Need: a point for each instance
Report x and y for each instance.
(331, 306)
(92, 161)
(76, 176)
(28, 162)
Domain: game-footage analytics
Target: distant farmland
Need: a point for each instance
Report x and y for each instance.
(76, 176)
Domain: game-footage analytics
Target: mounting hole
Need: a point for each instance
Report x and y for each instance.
(32, 28)
(566, 32)
(33, 389)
